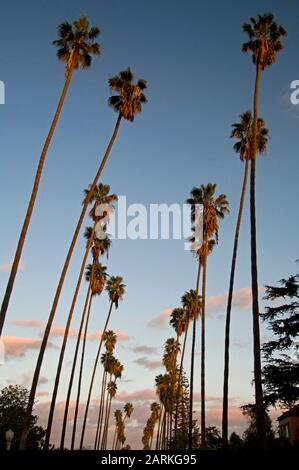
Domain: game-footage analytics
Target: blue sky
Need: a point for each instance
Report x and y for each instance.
(198, 83)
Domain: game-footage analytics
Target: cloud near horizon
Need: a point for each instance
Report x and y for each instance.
(17, 347)
(58, 331)
(215, 304)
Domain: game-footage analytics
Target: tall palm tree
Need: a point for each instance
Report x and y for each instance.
(96, 277)
(118, 422)
(155, 415)
(116, 290)
(264, 42)
(109, 338)
(191, 304)
(109, 362)
(111, 392)
(214, 208)
(75, 49)
(242, 131)
(130, 96)
(101, 196)
(120, 425)
(116, 371)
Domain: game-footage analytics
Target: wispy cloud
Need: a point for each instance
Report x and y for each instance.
(17, 347)
(147, 363)
(160, 320)
(58, 331)
(215, 304)
(241, 301)
(28, 323)
(143, 349)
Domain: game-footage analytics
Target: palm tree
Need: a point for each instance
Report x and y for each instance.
(112, 389)
(242, 131)
(131, 96)
(75, 49)
(116, 290)
(116, 371)
(120, 423)
(191, 303)
(101, 196)
(155, 416)
(265, 41)
(213, 210)
(109, 338)
(96, 277)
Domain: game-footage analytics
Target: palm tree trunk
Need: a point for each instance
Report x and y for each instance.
(105, 419)
(69, 392)
(24, 435)
(163, 433)
(80, 375)
(254, 275)
(93, 377)
(228, 311)
(203, 352)
(159, 428)
(100, 411)
(114, 438)
(192, 359)
(65, 338)
(107, 424)
(32, 199)
(179, 382)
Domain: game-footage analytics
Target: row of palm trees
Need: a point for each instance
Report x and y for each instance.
(76, 46)
(265, 41)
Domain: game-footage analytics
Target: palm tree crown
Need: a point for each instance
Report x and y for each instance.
(96, 275)
(116, 289)
(243, 132)
(128, 102)
(76, 42)
(264, 39)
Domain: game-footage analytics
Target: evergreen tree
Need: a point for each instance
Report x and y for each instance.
(281, 354)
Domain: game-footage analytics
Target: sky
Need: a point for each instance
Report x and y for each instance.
(199, 82)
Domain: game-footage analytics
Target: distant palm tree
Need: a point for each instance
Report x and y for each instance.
(213, 210)
(107, 360)
(109, 338)
(116, 371)
(96, 277)
(155, 415)
(101, 196)
(242, 131)
(120, 423)
(75, 49)
(191, 303)
(116, 290)
(130, 97)
(265, 41)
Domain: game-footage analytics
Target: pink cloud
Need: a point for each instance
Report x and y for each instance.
(143, 395)
(148, 364)
(144, 349)
(161, 320)
(121, 336)
(241, 301)
(28, 323)
(17, 347)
